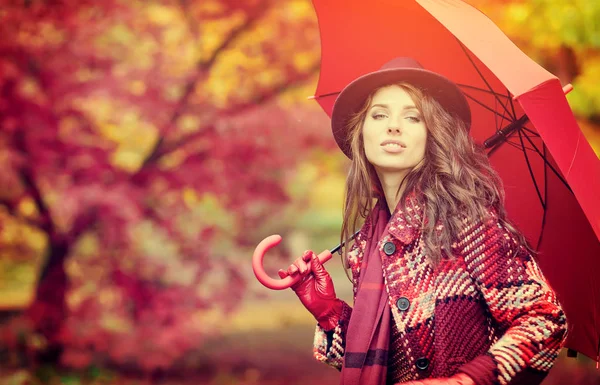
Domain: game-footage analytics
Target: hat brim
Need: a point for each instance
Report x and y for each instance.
(352, 97)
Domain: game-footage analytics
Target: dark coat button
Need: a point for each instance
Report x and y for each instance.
(389, 248)
(422, 363)
(403, 303)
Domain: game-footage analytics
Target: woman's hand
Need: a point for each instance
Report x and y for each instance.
(457, 379)
(315, 290)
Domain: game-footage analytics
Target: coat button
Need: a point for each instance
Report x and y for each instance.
(403, 303)
(389, 248)
(422, 363)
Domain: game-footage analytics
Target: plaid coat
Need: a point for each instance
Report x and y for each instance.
(489, 313)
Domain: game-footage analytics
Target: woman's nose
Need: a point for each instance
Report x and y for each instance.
(395, 125)
(393, 130)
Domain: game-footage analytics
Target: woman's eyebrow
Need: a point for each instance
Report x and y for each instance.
(406, 107)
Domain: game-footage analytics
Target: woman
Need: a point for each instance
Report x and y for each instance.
(446, 290)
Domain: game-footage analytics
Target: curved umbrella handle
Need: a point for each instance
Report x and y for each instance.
(259, 271)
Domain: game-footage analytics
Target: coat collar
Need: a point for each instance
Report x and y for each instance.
(406, 224)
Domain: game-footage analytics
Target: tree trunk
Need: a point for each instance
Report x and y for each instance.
(49, 309)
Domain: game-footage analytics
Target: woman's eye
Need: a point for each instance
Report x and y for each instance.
(414, 119)
(378, 116)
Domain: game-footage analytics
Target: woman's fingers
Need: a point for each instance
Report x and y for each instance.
(293, 269)
(300, 265)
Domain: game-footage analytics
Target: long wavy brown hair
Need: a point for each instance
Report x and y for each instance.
(455, 179)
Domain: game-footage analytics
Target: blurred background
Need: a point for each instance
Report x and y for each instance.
(146, 147)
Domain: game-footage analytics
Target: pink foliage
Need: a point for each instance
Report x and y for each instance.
(242, 154)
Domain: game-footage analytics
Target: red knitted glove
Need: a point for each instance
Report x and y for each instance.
(457, 379)
(315, 290)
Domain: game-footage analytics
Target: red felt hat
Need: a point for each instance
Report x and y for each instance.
(405, 69)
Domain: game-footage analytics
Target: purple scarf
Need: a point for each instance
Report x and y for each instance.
(369, 329)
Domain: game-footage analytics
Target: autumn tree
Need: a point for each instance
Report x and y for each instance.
(147, 142)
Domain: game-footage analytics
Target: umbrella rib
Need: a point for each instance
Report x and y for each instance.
(512, 105)
(481, 75)
(548, 163)
(498, 123)
(519, 146)
(488, 108)
(537, 189)
(480, 89)
(533, 133)
(515, 145)
(539, 242)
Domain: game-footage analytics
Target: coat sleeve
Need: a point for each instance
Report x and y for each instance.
(328, 346)
(521, 302)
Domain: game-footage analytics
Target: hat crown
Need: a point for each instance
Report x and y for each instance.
(402, 62)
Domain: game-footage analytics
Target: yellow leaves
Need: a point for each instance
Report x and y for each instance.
(172, 92)
(213, 213)
(151, 242)
(40, 34)
(173, 160)
(137, 87)
(303, 61)
(109, 296)
(269, 76)
(15, 232)
(159, 250)
(299, 10)
(129, 48)
(188, 123)
(134, 136)
(87, 245)
(585, 97)
(190, 197)
(210, 7)
(84, 74)
(323, 187)
(119, 34)
(23, 249)
(77, 296)
(550, 24)
(225, 81)
(161, 14)
(207, 211)
(114, 323)
(213, 32)
(27, 207)
(29, 89)
(51, 34)
(264, 55)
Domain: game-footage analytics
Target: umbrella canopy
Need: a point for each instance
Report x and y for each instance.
(519, 111)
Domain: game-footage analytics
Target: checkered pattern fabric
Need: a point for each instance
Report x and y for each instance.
(489, 313)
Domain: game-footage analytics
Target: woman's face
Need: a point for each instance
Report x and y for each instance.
(394, 133)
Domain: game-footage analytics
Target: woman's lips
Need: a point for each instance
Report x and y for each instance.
(393, 146)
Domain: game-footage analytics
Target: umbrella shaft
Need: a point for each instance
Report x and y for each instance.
(502, 134)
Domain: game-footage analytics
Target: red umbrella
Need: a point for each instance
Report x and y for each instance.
(550, 173)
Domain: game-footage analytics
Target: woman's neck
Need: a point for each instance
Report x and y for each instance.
(390, 184)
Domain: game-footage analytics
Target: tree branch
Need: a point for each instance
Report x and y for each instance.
(263, 98)
(28, 182)
(201, 67)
